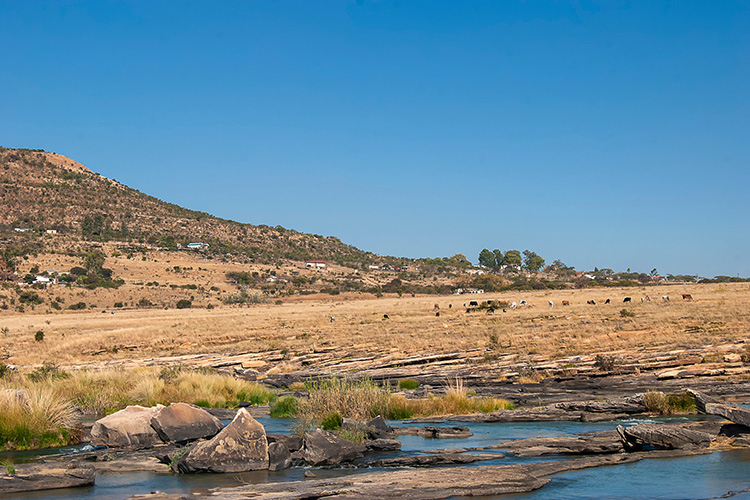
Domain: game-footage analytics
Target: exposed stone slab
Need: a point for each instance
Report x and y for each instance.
(46, 477)
(433, 460)
(583, 444)
(663, 436)
(433, 432)
(733, 413)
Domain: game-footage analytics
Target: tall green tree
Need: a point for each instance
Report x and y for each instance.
(498, 258)
(512, 258)
(532, 261)
(486, 258)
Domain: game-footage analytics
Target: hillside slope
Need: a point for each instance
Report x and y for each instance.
(47, 191)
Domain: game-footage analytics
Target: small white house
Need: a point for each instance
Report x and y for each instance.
(315, 264)
(51, 231)
(197, 246)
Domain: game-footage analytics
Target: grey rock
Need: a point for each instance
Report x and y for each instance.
(663, 437)
(733, 413)
(292, 443)
(383, 445)
(433, 432)
(434, 460)
(180, 422)
(378, 429)
(128, 427)
(38, 477)
(241, 446)
(326, 448)
(278, 457)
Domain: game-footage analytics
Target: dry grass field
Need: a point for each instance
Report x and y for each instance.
(299, 334)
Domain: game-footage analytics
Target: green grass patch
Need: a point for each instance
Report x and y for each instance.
(284, 407)
(408, 384)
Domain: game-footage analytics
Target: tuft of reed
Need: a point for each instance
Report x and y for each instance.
(38, 419)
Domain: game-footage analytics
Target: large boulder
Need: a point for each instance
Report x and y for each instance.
(326, 448)
(292, 443)
(663, 436)
(378, 429)
(128, 427)
(278, 456)
(241, 446)
(733, 413)
(181, 422)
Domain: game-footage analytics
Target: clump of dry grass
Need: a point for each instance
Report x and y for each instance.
(37, 418)
(99, 392)
(363, 399)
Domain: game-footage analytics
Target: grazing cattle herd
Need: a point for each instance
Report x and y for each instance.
(490, 306)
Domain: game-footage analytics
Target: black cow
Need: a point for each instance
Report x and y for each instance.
(627, 299)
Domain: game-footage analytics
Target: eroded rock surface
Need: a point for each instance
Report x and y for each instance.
(663, 437)
(181, 422)
(326, 448)
(128, 427)
(36, 477)
(241, 446)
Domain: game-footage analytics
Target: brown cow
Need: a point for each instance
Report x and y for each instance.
(566, 302)
(687, 296)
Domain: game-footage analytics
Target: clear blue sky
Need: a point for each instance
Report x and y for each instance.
(611, 134)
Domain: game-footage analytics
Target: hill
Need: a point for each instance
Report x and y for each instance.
(43, 191)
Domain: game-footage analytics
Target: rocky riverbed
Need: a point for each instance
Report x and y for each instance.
(185, 439)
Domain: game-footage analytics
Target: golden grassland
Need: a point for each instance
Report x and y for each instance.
(718, 315)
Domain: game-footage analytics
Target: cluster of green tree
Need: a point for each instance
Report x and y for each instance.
(494, 283)
(496, 260)
(92, 274)
(724, 279)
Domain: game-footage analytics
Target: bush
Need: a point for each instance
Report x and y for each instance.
(607, 362)
(332, 421)
(656, 402)
(285, 407)
(627, 314)
(408, 384)
(184, 304)
(77, 307)
(39, 335)
(118, 304)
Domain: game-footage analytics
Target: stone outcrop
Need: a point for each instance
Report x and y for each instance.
(35, 477)
(383, 445)
(181, 422)
(378, 429)
(128, 427)
(241, 446)
(326, 448)
(279, 457)
(433, 460)
(593, 443)
(663, 437)
(292, 443)
(433, 432)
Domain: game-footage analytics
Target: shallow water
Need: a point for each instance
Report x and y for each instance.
(701, 477)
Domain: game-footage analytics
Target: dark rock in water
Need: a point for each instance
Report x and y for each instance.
(701, 399)
(434, 432)
(128, 427)
(383, 445)
(241, 446)
(37, 477)
(627, 406)
(378, 429)
(292, 443)
(663, 436)
(733, 413)
(326, 448)
(278, 457)
(434, 460)
(180, 422)
(584, 444)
